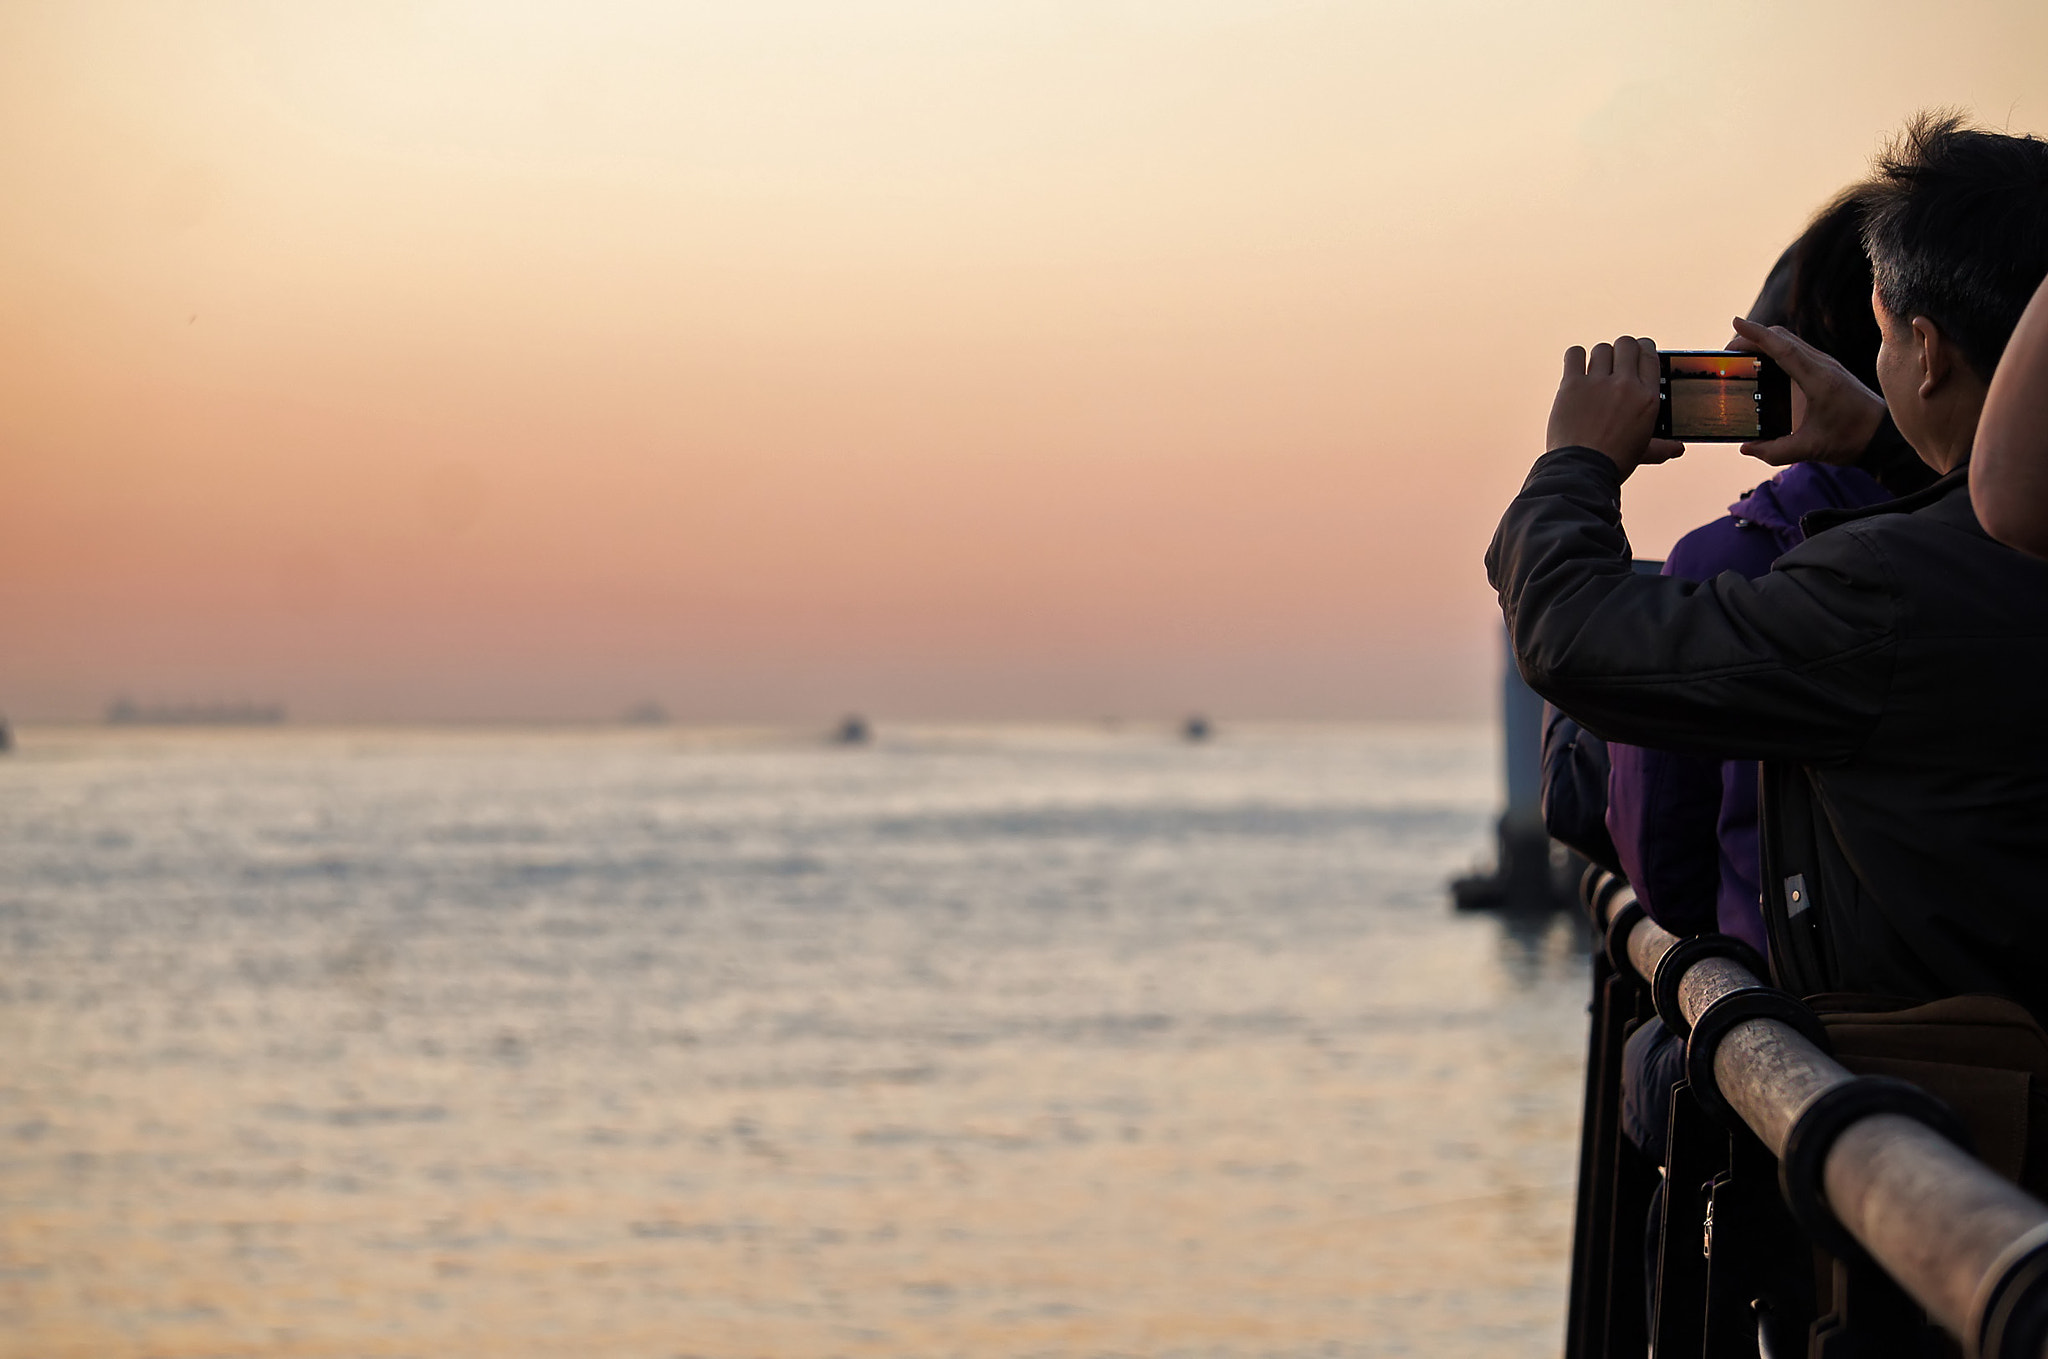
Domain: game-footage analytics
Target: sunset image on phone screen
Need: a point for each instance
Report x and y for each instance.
(1714, 396)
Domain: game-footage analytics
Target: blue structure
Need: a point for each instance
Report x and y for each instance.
(1527, 875)
(1521, 714)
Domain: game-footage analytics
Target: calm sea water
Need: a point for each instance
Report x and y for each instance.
(654, 1043)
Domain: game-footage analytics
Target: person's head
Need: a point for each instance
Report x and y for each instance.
(1828, 303)
(1955, 223)
(1820, 289)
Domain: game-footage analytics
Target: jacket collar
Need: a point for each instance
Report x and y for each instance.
(1819, 521)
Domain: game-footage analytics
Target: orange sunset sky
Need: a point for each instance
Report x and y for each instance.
(774, 359)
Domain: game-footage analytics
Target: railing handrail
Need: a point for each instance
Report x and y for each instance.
(1968, 1245)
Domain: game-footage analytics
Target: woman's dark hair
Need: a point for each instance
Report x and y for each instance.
(1820, 290)
(1829, 306)
(1956, 226)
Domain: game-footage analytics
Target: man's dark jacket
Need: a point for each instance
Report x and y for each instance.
(1892, 672)
(1687, 831)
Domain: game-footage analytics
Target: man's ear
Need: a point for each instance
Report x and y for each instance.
(1936, 355)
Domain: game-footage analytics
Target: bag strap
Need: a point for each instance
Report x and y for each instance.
(1794, 916)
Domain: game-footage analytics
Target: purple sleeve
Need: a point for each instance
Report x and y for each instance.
(1662, 811)
(1574, 793)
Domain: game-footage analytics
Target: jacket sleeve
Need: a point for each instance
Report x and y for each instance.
(1793, 665)
(1575, 789)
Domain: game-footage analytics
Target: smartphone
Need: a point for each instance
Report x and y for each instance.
(1720, 395)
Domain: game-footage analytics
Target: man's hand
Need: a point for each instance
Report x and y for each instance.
(1834, 417)
(1608, 402)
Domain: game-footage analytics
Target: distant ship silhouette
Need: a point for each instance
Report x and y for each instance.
(126, 712)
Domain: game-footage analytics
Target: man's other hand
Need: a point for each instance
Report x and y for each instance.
(1834, 416)
(1608, 402)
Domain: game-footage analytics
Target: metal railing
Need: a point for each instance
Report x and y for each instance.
(1773, 1148)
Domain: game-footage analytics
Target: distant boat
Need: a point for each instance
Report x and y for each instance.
(125, 712)
(648, 714)
(852, 731)
(1196, 728)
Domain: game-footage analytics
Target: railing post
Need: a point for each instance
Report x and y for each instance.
(1608, 1311)
(1695, 1156)
(1872, 1318)
(1585, 1334)
(1759, 1287)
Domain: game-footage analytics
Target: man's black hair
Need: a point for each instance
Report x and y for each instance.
(1956, 226)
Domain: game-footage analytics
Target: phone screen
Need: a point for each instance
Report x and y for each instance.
(1721, 395)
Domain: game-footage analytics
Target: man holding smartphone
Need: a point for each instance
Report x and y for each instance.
(1891, 672)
